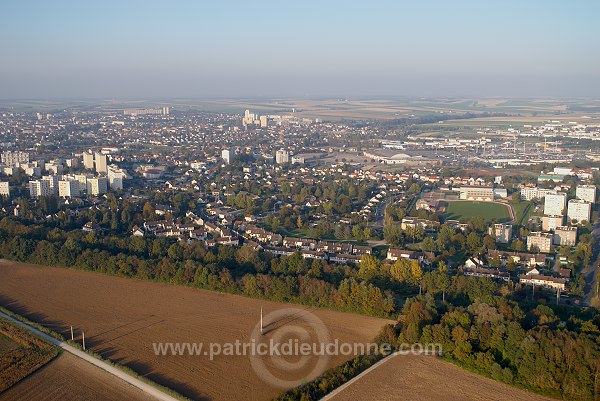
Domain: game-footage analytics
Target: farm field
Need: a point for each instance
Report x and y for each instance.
(70, 378)
(428, 378)
(21, 354)
(468, 209)
(122, 318)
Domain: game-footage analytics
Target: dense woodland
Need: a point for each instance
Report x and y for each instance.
(550, 350)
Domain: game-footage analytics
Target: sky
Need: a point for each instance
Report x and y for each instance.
(326, 48)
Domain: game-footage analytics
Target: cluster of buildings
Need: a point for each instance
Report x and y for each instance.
(254, 119)
(556, 206)
(75, 185)
(161, 111)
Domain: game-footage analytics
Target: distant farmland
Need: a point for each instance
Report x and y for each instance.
(122, 318)
(457, 210)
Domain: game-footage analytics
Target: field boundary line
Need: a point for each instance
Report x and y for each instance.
(146, 388)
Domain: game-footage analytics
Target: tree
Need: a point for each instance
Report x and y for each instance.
(473, 242)
(518, 245)
(489, 242)
(148, 212)
(369, 266)
(428, 244)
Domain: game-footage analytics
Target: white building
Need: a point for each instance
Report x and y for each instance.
(227, 155)
(100, 162)
(579, 211)
(116, 177)
(554, 204)
(477, 193)
(529, 193)
(96, 186)
(88, 160)
(39, 188)
(5, 189)
(53, 182)
(540, 242)
(282, 156)
(586, 193)
(68, 188)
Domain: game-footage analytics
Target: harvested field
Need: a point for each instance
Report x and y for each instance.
(122, 318)
(70, 378)
(21, 354)
(427, 378)
(6, 344)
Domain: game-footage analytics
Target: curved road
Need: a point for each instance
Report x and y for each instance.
(145, 387)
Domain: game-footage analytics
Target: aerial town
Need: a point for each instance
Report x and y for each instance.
(502, 206)
(369, 216)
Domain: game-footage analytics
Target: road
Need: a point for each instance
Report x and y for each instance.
(379, 217)
(146, 388)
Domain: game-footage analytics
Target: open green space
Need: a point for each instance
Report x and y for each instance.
(522, 210)
(457, 210)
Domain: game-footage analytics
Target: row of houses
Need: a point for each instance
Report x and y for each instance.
(424, 258)
(310, 254)
(198, 230)
(532, 276)
(309, 244)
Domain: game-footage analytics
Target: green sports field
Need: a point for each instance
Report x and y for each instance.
(457, 210)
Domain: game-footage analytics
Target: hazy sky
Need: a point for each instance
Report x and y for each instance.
(169, 48)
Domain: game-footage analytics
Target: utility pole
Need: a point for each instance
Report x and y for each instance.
(261, 321)
(72, 338)
(83, 340)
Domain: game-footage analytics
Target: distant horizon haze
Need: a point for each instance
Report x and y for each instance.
(268, 49)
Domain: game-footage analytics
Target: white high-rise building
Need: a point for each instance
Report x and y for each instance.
(100, 162)
(586, 193)
(579, 210)
(282, 156)
(88, 160)
(115, 177)
(227, 155)
(68, 188)
(554, 204)
(39, 188)
(97, 186)
(53, 182)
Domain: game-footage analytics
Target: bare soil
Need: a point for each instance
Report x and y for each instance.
(426, 378)
(122, 318)
(21, 354)
(70, 378)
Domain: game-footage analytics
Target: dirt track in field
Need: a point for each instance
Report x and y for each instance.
(427, 378)
(70, 378)
(122, 318)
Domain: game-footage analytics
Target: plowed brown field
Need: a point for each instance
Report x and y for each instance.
(122, 318)
(427, 378)
(70, 378)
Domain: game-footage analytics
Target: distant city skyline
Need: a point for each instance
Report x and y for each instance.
(69, 49)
